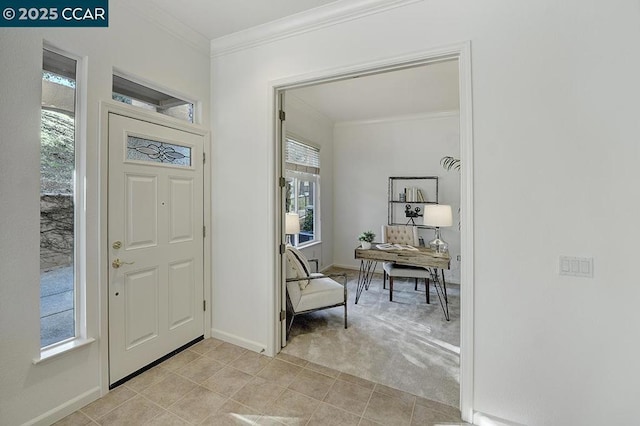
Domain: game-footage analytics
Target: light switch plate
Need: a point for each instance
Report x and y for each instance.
(576, 266)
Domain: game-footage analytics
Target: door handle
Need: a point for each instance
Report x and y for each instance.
(118, 263)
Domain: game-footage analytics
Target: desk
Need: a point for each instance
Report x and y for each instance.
(423, 256)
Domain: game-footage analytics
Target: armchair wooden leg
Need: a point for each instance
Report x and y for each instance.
(416, 287)
(384, 280)
(390, 288)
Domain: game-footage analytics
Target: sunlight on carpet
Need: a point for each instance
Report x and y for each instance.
(405, 344)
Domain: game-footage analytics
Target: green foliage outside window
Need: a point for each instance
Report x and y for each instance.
(307, 223)
(57, 154)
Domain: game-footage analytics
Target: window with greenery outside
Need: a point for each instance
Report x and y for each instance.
(302, 164)
(57, 204)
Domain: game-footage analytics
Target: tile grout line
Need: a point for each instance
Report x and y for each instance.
(367, 406)
(200, 356)
(128, 400)
(117, 406)
(413, 410)
(314, 411)
(320, 401)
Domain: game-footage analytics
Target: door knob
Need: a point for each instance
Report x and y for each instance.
(117, 245)
(118, 263)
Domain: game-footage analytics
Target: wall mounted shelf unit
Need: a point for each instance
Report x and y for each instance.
(408, 193)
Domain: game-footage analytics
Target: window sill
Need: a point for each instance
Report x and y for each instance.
(58, 350)
(307, 245)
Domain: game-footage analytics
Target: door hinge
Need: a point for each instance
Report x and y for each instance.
(283, 248)
(204, 158)
(282, 115)
(283, 315)
(282, 182)
(204, 231)
(204, 305)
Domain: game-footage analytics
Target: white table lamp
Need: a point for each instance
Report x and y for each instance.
(438, 215)
(291, 225)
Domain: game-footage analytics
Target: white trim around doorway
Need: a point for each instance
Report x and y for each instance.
(461, 52)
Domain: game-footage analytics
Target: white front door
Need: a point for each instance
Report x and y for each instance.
(156, 292)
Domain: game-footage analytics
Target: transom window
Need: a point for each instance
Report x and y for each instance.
(141, 96)
(302, 164)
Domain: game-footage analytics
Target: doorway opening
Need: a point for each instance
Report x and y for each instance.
(406, 121)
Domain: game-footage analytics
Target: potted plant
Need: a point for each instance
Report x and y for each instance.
(366, 238)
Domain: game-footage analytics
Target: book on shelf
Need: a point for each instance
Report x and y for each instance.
(411, 194)
(414, 195)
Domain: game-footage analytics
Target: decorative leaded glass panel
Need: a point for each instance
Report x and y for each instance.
(141, 149)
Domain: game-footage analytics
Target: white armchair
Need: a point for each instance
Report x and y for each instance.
(408, 235)
(310, 292)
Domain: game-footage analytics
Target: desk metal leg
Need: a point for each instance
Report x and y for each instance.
(367, 268)
(441, 290)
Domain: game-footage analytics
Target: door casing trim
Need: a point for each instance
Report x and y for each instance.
(461, 52)
(112, 107)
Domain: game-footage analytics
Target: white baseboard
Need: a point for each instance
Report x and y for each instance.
(325, 269)
(239, 341)
(63, 410)
(482, 419)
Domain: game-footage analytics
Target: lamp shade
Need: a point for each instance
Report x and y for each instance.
(437, 215)
(292, 223)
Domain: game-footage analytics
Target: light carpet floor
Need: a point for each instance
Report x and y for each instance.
(405, 344)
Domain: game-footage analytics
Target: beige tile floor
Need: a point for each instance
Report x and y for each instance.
(216, 383)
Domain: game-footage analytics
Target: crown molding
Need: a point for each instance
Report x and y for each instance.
(300, 23)
(165, 21)
(422, 116)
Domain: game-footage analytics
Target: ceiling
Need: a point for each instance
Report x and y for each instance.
(217, 18)
(426, 89)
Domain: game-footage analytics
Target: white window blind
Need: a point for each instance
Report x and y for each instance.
(301, 157)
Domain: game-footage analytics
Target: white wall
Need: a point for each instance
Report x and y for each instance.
(367, 153)
(305, 122)
(131, 44)
(555, 92)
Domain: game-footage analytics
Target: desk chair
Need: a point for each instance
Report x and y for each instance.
(408, 235)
